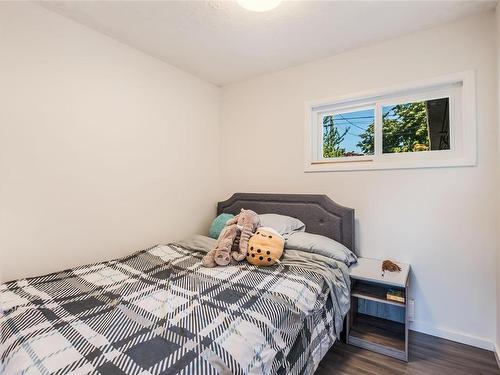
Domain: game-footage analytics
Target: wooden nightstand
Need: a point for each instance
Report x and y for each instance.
(373, 333)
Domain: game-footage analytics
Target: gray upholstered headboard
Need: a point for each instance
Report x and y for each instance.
(319, 213)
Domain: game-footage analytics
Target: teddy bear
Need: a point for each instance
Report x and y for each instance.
(233, 240)
(265, 247)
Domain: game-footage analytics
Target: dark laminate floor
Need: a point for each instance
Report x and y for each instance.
(428, 355)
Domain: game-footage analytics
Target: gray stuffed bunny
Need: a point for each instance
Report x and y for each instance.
(233, 239)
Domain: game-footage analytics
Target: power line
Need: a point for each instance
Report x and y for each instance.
(352, 123)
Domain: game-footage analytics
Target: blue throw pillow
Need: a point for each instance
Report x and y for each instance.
(218, 224)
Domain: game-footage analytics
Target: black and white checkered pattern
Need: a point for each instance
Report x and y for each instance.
(159, 311)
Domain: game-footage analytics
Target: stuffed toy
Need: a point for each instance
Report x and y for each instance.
(233, 240)
(265, 247)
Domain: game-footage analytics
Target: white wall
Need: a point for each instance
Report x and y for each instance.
(94, 162)
(103, 150)
(442, 221)
(497, 13)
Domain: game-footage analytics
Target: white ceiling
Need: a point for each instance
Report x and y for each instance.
(222, 43)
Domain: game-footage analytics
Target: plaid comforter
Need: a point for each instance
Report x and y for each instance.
(158, 311)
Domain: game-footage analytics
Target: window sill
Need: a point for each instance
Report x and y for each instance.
(366, 165)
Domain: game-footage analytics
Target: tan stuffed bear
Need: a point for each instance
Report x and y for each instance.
(265, 247)
(233, 240)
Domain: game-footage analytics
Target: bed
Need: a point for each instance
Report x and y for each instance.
(158, 311)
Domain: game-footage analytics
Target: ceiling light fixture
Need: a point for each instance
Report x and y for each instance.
(259, 5)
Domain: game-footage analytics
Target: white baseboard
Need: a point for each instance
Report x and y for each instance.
(497, 354)
(463, 338)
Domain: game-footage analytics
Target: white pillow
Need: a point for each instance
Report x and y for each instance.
(317, 244)
(284, 225)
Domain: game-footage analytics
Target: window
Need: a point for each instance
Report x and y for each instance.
(416, 127)
(348, 133)
(431, 124)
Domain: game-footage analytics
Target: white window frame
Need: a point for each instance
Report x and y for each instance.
(459, 88)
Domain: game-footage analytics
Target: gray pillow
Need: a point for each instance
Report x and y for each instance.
(317, 244)
(197, 242)
(284, 225)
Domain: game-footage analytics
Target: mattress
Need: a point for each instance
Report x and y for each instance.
(158, 311)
